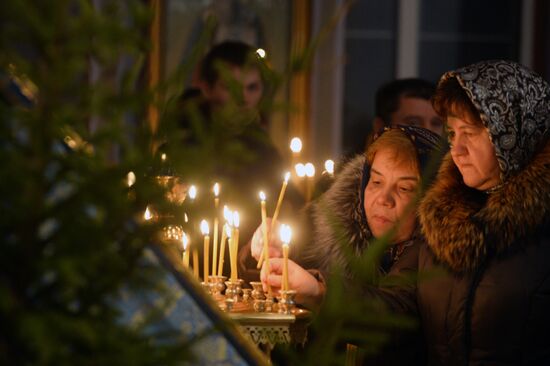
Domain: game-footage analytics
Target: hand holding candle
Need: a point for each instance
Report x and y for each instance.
(205, 231)
(277, 210)
(285, 234)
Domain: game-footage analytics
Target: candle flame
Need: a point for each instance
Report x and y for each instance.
(184, 241)
(227, 230)
(147, 215)
(236, 219)
(310, 170)
(287, 176)
(216, 189)
(329, 166)
(285, 234)
(300, 170)
(296, 145)
(262, 196)
(228, 215)
(205, 230)
(130, 179)
(192, 192)
(185, 217)
(163, 157)
(261, 52)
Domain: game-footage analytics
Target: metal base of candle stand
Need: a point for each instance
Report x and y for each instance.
(270, 329)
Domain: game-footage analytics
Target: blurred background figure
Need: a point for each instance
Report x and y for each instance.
(406, 102)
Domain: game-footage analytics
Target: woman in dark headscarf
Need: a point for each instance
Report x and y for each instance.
(374, 194)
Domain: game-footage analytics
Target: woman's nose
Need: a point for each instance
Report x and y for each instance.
(385, 198)
(457, 146)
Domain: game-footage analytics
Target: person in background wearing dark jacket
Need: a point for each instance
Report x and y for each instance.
(230, 108)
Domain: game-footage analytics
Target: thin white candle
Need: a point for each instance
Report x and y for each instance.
(285, 234)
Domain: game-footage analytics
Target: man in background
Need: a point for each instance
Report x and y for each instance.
(406, 102)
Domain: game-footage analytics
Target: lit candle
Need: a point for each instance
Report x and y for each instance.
(192, 192)
(227, 231)
(185, 242)
(296, 145)
(310, 173)
(228, 215)
(277, 210)
(148, 215)
(234, 246)
(280, 200)
(130, 179)
(266, 246)
(215, 244)
(329, 167)
(264, 230)
(285, 234)
(205, 231)
(196, 262)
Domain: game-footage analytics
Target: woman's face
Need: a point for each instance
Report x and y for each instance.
(390, 192)
(473, 153)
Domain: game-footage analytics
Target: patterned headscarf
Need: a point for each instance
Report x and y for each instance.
(514, 106)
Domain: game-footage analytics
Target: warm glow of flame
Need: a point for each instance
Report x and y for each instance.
(262, 196)
(184, 241)
(300, 170)
(192, 192)
(205, 230)
(261, 52)
(285, 234)
(163, 157)
(329, 166)
(227, 230)
(147, 215)
(185, 218)
(228, 215)
(287, 176)
(236, 219)
(216, 189)
(130, 179)
(296, 145)
(310, 170)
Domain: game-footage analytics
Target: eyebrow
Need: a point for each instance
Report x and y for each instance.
(400, 178)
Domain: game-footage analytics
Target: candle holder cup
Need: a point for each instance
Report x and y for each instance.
(217, 286)
(257, 291)
(287, 302)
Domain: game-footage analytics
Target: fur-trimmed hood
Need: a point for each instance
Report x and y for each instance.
(340, 205)
(462, 225)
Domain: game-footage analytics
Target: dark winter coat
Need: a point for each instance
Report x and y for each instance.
(492, 304)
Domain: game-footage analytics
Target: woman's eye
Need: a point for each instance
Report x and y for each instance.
(406, 189)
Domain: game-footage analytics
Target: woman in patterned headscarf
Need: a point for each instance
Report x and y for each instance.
(486, 222)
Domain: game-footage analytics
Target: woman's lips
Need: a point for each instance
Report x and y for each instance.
(381, 219)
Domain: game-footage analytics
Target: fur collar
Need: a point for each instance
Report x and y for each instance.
(462, 225)
(338, 221)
